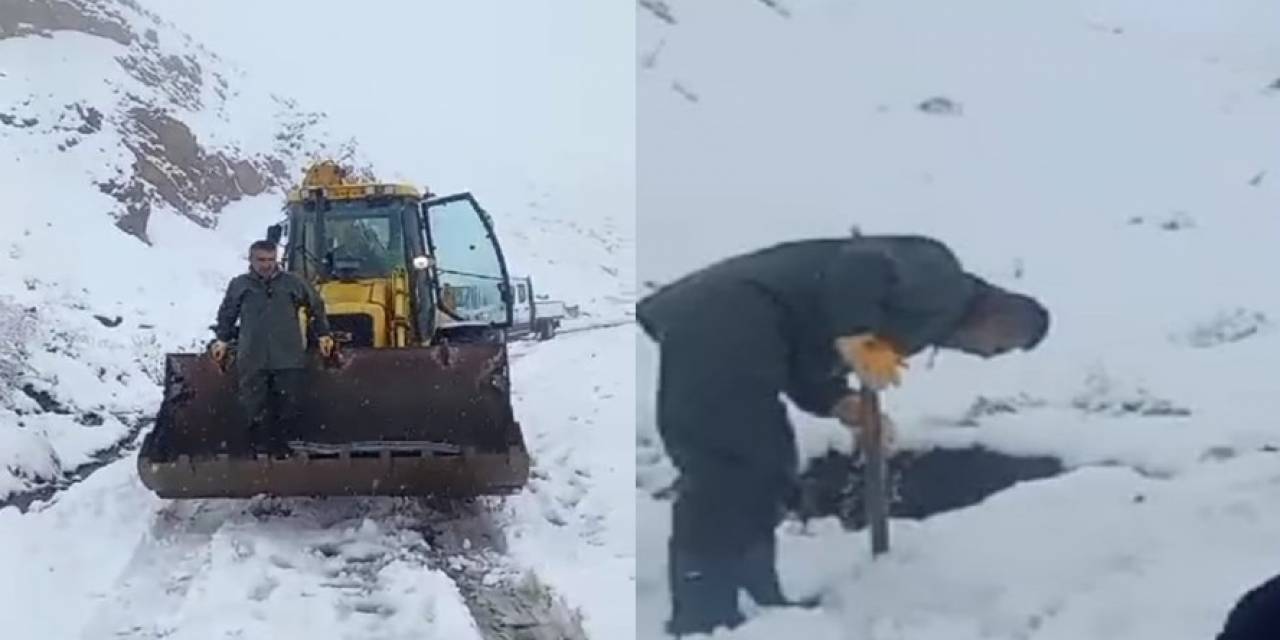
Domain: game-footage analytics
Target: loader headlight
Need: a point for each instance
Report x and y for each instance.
(422, 263)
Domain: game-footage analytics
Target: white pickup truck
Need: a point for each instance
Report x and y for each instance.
(532, 314)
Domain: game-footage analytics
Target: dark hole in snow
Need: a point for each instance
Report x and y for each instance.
(684, 92)
(1257, 180)
(108, 322)
(923, 483)
(777, 7)
(1218, 453)
(940, 106)
(91, 419)
(328, 549)
(1274, 86)
(92, 120)
(1176, 222)
(13, 121)
(48, 488)
(984, 406)
(375, 608)
(1143, 404)
(46, 400)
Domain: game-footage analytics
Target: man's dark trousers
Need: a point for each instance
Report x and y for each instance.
(270, 398)
(726, 429)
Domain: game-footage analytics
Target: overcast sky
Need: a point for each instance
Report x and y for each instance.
(483, 95)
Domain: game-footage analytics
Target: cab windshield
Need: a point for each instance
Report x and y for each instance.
(355, 239)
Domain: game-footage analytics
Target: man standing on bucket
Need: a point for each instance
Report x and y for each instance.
(793, 319)
(271, 363)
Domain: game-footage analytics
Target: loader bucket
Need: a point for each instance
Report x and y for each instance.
(413, 421)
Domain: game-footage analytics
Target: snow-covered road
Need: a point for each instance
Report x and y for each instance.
(107, 559)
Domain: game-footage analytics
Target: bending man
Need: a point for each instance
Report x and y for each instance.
(792, 319)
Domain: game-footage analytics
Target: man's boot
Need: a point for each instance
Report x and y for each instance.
(275, 439)
(758, 575)
(277, 444)
(258, 434)
(704, 595)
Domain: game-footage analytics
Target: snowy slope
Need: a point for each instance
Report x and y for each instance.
(132, 199)
(576, 525)
(1111, 159)
(107, 557)
(584, 262)
(530, 106)
(144, 163)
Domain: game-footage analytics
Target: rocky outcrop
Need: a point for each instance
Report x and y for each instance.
(167, 164)
(43, 17)
(170, 165)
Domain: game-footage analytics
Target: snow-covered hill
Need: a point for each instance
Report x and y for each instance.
(139, 164)
(529, 105)
(107, 559)
(1113, 159)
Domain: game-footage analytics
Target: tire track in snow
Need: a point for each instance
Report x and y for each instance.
(241, 563)
(506, 602)
(252, 567)
(194, 542)
(159, 573)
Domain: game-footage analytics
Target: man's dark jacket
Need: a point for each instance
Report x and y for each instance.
(909, 289)
(270, 337)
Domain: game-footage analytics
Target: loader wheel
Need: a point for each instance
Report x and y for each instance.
(546, 330)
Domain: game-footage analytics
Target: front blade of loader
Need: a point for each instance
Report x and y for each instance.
(414, 421)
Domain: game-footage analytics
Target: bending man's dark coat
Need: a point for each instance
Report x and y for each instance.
(736, 334)
(1256, 615)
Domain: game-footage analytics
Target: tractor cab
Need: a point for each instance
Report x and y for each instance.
(394, 269)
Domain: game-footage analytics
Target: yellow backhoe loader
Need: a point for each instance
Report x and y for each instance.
(417, 400)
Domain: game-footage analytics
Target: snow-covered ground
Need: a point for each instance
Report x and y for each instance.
(1112, 159)
(107, 559)
(88, 311)
(96, 91)
(88, 115)
(577, 523)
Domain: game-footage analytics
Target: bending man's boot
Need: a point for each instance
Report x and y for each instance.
(758, 574)
(704, 594)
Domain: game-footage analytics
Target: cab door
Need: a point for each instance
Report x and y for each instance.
(472, 284)
(522, 309)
